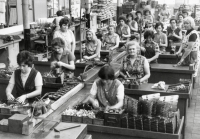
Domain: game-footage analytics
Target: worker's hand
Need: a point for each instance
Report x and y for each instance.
(142, 49)
(53, 64)
(10, 97)
(60, 64)
(178, 64)
(107, 108)
(123, 35)
(149, 60)
(95, 103)
(86, 57)
(21, 99)
(111, 49)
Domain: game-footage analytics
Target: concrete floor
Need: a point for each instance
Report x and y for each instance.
(193, 114)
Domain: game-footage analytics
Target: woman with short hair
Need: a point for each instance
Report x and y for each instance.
(106, 92)
(160, 37)
(132, 23)
(174, 33)
(66, 34)
(64, 59)
(150, 49)
(123, 29)
(135, 66)
(26, 80)
(111, 39)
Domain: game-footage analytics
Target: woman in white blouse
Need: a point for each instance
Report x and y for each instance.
(66, 34)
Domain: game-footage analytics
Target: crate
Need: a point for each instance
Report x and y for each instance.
(87, 120)
(77, 119)
(113, 119)
(97, 121)
(66, 118)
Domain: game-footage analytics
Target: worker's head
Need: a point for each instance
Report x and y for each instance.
(106, 73)
(132, 48)
(147, 12)
(159, 27)
(180, 17)
(24, 60)
(189, 23)
(122, 20)
(164, 6)
(173, 22)
(58, 45)
(111, 29)
(138, 14)
(90, 35)
(59, 13)
(185, 13)
(149, 35)
(64, 24)
(130, 16)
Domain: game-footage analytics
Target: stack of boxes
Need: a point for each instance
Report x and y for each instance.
(105, 9)
(18, 123)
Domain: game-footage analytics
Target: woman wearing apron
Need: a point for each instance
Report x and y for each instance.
(189, 50)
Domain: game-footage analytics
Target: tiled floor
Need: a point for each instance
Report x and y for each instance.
(193, 115)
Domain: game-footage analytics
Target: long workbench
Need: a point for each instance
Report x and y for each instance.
(169, 73)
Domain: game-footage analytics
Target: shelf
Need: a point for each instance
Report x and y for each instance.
(106, 18)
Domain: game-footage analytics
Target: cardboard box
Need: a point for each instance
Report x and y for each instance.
(15, 123)
(4, 125)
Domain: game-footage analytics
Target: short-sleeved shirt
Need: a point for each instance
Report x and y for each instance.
(38, 79)
(67, 36)
(110, 40)
(151, 49)
(132, 24)
(160, 38)
(176, 31)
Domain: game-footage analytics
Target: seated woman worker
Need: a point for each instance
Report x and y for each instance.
(149, 48)
(106, 92)
(61, 58)
(26, 80)
(111, 39)
(123, 29)
(92, 46)
(134, 66)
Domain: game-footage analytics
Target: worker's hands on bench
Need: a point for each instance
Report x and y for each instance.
(10, 97)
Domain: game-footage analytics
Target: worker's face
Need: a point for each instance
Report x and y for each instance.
(89, 35)
(132, 50)
(24, 68)
(185, 14)
(64, 27)
(122, 22)
(164, 7)
(130, 18)
(111, 30)
(139, 15)
(149, 39)
(180, 18)
(173, 23)
(58, 49)
(159, 29)
(147, 13)
(187, 25)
